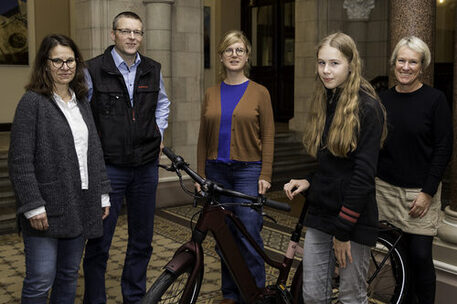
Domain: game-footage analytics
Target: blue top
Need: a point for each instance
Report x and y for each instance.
(230, 96)
(129, 73)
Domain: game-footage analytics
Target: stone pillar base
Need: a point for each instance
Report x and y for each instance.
(445, 258)
(448, 229)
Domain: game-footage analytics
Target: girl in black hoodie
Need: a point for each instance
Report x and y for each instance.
(344, 131)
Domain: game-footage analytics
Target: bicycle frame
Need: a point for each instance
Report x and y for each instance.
(213, 218)
(189, 258)
(385, 226)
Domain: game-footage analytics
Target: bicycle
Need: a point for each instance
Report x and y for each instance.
(182, 277)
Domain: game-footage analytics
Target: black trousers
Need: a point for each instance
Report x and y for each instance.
(422, 272)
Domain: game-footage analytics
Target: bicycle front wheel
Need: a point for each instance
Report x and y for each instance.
(169, 288)
(391, 283)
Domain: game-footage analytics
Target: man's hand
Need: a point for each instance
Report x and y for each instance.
(295, 186)
(420, 206)
(263, 186)
(39, 221)
(161, 148)
(342, 252)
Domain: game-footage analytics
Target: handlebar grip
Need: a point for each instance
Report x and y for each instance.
(172, 156)
(277, 205)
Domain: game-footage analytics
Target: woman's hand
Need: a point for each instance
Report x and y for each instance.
(39, 221)
(197, 187)
(105, 212)
(295, 186)
(263, 186)
(420, 205)
(342, 252)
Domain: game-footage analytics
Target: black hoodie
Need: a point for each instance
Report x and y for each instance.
(341, 197)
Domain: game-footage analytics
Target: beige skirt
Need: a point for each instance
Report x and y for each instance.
(394, 204)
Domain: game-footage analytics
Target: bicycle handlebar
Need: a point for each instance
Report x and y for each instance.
(179, 163)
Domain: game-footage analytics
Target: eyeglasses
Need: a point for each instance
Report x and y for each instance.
(238, 51)
(127, 32)
(58, 63)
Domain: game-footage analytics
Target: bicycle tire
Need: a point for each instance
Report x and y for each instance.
(168, 288)
(391, 284)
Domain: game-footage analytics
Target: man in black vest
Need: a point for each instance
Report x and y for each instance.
(130, 108)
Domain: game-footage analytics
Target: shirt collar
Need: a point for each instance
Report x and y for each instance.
(118, 61)
(59, 99)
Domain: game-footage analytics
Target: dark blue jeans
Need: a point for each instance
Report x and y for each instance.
(138, 185)
(242, 177)
(51, 263)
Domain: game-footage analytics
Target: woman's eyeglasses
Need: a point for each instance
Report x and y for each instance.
(58, 63)
(237, 51)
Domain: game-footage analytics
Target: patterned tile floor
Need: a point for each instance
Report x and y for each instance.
(171, 230)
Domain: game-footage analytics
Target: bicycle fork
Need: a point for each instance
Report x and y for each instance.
(188, 255)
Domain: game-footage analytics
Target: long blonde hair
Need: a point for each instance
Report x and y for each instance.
(344, 130)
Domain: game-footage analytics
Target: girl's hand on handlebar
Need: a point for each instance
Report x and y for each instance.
(295, 186)
(263, 186)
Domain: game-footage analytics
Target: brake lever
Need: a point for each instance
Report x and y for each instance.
(170, 168)
(269, 217)
(197, 196)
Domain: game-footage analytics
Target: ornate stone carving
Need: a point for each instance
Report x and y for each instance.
(358, 9)
(159, 1)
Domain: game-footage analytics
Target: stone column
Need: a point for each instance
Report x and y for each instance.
(307, 29)
(404, 21)
(448, 228)
(453, 178)
(187, 58)
(157, 28)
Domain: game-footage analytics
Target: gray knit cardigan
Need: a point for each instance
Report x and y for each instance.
(44, 169)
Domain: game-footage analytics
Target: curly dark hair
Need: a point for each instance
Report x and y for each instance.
(41, 80)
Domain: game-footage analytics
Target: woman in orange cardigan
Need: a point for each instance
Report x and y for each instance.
(235, 147)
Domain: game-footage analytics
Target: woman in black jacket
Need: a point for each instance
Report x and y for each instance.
(57, 171)
(344, 132)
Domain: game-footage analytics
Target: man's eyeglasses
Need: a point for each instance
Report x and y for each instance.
(58, 63)
(238, 51)
(127, 32)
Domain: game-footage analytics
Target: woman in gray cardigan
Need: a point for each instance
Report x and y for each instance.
(57, 171)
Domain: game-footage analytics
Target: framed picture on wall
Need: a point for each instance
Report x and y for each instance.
(13, 32)
(206, 36)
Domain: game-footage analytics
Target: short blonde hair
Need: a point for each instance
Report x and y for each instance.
(415, 44)
(230, 38)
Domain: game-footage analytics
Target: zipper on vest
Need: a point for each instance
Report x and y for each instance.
(133, 114)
